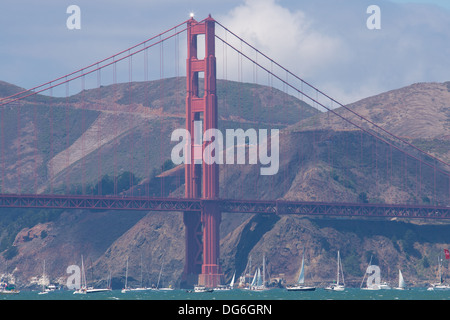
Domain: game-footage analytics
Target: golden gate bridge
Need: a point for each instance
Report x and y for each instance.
(202, 204)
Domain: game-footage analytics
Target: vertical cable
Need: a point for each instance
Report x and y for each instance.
(67, 178)
(161, 77)
(115, 128)
(35, 145)
(99, 135)
(131, 122)
(83, 129)
(19, 163)
(376, 166)
(2, 115)
(147, 126)
(52, 177)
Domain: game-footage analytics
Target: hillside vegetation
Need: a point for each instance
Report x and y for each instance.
(116, 140)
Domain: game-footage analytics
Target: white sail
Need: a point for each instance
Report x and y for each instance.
(83, 288)
(232, 280)
(301, 280)
(338, 263)
(301, 277)
(401, 281)
(259, 279)
(254, 278)
(337, 286)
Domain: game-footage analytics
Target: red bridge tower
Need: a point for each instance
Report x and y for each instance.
(201, 180)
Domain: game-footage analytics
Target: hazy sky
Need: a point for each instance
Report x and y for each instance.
(326, 42)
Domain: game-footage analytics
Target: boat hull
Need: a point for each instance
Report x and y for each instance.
(335, 288)
(300, 288)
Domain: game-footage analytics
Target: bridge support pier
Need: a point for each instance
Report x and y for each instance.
(211, 275)
(193, 249)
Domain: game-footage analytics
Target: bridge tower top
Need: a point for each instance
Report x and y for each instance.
(202, 180)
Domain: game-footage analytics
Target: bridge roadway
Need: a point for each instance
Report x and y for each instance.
(277, 207)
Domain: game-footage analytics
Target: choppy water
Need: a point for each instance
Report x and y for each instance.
(272, 294)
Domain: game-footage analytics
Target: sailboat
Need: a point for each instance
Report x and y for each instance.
(45, 289)
(226, 287)
(126, 289)
(232, 280)
(336, 286)
(169, 288)
(370, 286)
(301, 280)
(96, 290)
(141, 288)
(244, 279)
(401, 281)
(83, 287)
(257, 282)
(439, 285)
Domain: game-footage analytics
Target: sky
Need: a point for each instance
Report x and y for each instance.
(326, 42)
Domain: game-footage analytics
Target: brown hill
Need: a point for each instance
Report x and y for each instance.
(321, 159)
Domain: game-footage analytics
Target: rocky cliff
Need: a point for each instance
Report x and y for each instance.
(321, 159)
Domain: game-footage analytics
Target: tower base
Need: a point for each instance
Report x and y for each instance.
(211, 277)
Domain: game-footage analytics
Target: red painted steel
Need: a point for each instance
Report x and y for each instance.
(202, 179)
(194, 207)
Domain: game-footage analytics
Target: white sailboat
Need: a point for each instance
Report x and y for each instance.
(401, 281)
(337, 286)
(371, 286)
(439, 285)
(126, 289)
(169, 288)
(226, 287)
(45, 289)
(301, 280)
(199, 288)
(244, 279)
(96, 290)
(257, 283)
(141, 288)
(259, 280)
(83, 287)
(232, 280)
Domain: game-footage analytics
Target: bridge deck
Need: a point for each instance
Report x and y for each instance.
(90, 202)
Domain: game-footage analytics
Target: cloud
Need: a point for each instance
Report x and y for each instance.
(287, 36)
(328, 44)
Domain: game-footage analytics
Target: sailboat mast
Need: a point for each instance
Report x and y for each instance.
(365, 272)
(43, 277)
(440, 271)
(83, 273)
(160, 271)
(338, 259)
(264, 269)
(141, 270)
(126, 275)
